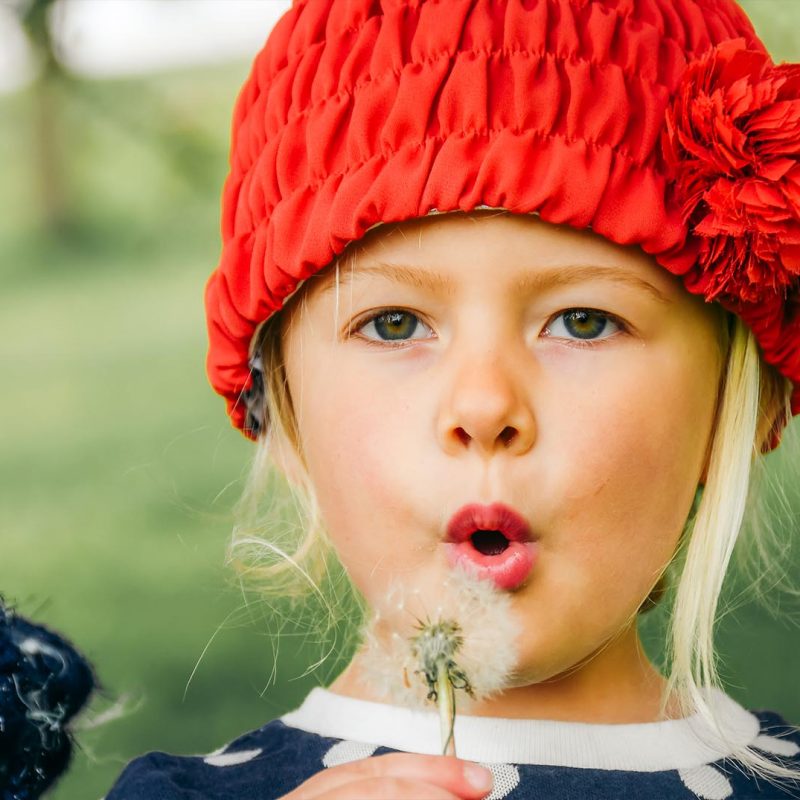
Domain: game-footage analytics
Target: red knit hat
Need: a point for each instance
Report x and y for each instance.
(661, 123)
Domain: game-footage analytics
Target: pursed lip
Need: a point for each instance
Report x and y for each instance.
(494, 517)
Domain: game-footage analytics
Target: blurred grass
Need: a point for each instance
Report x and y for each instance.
(118, 467)
(117, 464)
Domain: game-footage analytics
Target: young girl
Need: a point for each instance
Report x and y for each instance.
(510, 289)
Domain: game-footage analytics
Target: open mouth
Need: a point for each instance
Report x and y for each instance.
(493, 541)
(489, 543)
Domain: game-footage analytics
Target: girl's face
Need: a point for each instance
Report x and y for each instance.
(451, 368)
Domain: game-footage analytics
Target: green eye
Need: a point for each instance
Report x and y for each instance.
(392, 325)
(395, 324)
(585, 324)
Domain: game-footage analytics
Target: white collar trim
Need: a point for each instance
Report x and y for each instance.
(643, 747)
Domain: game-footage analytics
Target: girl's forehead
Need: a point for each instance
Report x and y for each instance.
(436, 251)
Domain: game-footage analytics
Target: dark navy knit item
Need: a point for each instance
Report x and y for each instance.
(268, 763)
(43, 684)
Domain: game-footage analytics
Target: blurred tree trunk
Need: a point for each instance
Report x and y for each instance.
(48, 152)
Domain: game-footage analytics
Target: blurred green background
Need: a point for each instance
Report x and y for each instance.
(118, 468)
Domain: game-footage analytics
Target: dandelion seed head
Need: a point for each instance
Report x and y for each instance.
(436, 641)
(473, 626)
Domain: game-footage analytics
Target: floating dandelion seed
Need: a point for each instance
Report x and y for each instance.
(468, 644)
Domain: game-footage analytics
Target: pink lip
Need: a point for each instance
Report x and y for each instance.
(507, 570)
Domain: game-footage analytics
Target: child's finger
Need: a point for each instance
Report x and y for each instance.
(461, 778)
(384, 788)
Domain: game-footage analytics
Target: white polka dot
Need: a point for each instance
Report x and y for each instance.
(506, 779)
(706, 782)
(781, 747)
(346, 751)
(231, 759)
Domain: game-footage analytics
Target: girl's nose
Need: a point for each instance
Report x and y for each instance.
(485, 408)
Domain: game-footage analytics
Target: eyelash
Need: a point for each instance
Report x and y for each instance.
(401, 343)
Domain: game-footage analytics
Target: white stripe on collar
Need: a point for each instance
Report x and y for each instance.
(642, 747)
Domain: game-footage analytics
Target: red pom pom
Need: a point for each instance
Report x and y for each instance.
(731, 147)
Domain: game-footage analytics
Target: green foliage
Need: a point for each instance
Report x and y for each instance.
(118, 466)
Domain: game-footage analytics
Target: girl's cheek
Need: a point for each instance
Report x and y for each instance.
(620, 494)
(357, 457)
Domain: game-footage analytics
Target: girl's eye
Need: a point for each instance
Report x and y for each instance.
(580, 325)
(392, 325)
(584, 323)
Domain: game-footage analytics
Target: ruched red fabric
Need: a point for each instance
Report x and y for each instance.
(365, 111)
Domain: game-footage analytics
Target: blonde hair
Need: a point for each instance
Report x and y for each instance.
(755, 400)
(296, 561)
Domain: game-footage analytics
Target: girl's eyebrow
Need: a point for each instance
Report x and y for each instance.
(528, 282)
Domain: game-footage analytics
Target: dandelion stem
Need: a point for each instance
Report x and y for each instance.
(446, 701)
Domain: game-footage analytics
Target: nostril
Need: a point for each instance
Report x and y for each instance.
(463, 436)
(507, 434)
